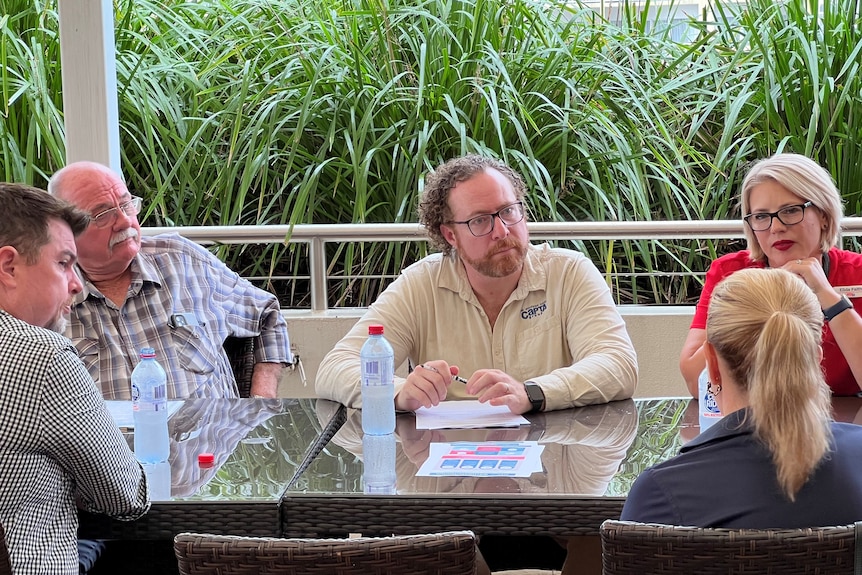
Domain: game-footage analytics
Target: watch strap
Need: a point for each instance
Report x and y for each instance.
(843, 305)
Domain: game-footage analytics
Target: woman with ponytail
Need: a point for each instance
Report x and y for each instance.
(776, 459)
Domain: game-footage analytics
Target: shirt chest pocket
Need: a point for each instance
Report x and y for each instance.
(194, 350)
(541, 346)
(88, 351)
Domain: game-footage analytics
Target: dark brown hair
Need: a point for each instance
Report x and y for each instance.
(27, 211)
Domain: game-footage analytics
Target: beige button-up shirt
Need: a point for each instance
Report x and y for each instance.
(559, 328)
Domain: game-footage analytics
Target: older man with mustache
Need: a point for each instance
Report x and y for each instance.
(530, 327)
(164, 292)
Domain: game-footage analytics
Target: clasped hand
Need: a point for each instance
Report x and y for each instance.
(428, 384)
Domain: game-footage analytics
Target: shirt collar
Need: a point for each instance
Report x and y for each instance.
(453, 276)
(730, 425)
(143, 271)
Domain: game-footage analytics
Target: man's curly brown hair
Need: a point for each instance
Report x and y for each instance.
(434, 204)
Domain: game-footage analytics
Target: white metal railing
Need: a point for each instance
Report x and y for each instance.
(318, 235)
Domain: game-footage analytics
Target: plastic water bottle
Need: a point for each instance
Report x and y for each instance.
(150, 409)
(378, 456)
(158, 480)
(708, 408)
(378, 390)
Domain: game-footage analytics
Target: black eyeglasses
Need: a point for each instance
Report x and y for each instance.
(109, 216)
(483, 224)
(790, 215)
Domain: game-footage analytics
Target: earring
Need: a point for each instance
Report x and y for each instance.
(714, 391)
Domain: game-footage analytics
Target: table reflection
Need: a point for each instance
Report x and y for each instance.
(241, 438)
(844, 409)
(256, 444)
(583, 450)
(847, 409)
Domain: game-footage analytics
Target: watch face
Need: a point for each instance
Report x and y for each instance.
(535, 394)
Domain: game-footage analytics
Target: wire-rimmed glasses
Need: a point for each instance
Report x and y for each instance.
(788, 215)
(109, 216)
(483, 224)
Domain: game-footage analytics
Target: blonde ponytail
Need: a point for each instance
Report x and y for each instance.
(767, 325)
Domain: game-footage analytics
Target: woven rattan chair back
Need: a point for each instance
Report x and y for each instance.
(240, 353)
(630, 548)
(449, 553)
(5, 562)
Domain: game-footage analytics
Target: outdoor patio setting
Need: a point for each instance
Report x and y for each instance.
(300, 148)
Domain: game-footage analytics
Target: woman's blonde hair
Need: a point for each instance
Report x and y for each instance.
(766, 325)
(805, 178)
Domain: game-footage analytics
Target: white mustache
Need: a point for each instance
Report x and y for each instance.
(122, 236)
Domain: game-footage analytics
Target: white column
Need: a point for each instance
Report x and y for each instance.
(87, 58)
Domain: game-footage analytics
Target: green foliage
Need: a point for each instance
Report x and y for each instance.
(31, 124)
(330, 111)
(810, 84)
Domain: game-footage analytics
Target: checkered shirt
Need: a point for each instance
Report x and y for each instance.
(58, 444)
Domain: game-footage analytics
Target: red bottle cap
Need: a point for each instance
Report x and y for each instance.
(206, 459)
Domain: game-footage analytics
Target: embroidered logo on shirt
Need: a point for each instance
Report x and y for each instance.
(534, 311)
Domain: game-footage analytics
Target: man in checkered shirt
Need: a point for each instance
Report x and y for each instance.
(58, 443)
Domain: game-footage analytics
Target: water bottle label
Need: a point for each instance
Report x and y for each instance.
(372, 368)
(710, 406)
(153, 399)
(372, 372)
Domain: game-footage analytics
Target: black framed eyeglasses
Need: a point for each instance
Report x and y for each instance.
(109, 216)
(789, 215)
(483, 224)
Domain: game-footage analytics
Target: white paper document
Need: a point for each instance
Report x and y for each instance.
(467, 414)
(483, 459)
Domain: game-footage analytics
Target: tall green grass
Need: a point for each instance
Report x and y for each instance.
(320, 111)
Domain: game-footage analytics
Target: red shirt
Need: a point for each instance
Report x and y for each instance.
(845, 269)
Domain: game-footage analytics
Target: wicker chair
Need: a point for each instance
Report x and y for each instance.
(240, 352)
(449, 553)
(630, 548)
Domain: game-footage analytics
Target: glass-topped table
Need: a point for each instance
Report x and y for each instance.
(591, 457)
(257, 444)
(293, 468)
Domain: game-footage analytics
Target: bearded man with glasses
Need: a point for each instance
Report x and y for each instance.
(530, 327)
(527, 326)
(161, 291)
(792, 221)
